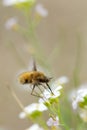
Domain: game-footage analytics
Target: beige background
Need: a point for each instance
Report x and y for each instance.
(66, 19)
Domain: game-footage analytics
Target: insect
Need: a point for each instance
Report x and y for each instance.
(35, 78)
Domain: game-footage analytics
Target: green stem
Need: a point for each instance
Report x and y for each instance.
(31, 37)
(17, 55)
(61, 119)
(41, 122)
(55, 110)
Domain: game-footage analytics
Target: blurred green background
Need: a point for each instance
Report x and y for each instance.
(64, 29)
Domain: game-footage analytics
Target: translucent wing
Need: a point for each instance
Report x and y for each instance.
(34, 65)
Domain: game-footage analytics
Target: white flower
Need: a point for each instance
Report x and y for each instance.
(11, 23)
(48, 95)
(41, 10)
(56, 93)
(35, 127)
(80, 94)
(63, 80)
(53, 121)
(76, 101)
(14, 2)
(32, 108)
(11, 2)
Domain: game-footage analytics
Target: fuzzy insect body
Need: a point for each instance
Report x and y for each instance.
(35, 78)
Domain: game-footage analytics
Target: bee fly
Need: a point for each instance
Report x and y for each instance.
(35, 78)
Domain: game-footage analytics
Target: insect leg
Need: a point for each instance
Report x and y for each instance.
(37, 95)
(45, 87)
(40, 89)
(33, 89)
(49, 88)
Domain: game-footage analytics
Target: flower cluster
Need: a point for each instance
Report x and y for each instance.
(56, 89)
(40, 11)
(33, 110)
(49, 97)
(53, 121)
(80, 100)
(46, 103)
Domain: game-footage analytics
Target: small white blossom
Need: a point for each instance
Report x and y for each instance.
(56, 93)
(11, 2)
(63, 80)
(11, 23)
(76, 101)
(32, 108)
(80, 94)
(41, 10)
(35, 127)
(48, 95)
(53, 121)
(14, 2)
